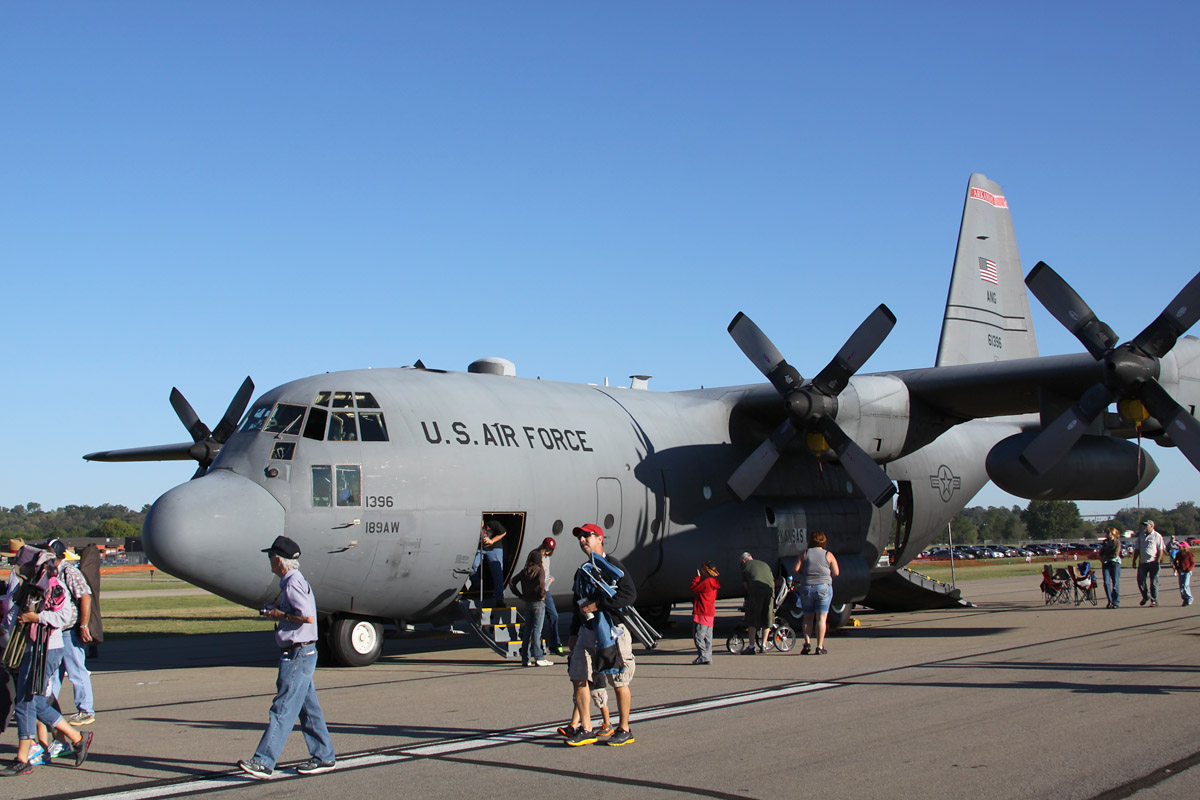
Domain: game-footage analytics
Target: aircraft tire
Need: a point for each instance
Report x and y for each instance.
(355, 642)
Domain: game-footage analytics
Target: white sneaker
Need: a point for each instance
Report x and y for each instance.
(541, 662)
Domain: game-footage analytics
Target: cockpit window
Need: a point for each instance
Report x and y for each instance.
(255, 419)
(323, 425)
(286, 419)
(372, 426)
(315, 427)
(342, 427)
(349, 486)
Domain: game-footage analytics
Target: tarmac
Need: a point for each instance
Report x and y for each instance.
(1010, 699)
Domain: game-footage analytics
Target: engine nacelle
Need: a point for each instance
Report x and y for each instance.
(1096, 468)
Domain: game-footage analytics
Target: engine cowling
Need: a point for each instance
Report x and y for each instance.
(1096, 468)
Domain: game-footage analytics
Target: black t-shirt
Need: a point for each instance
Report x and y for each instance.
(494, 530)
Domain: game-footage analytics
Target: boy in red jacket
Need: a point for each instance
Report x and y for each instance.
(704, 610)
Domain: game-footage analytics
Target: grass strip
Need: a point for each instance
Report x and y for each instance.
(138, 618)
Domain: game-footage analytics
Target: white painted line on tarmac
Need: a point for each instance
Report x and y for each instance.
(233, 779)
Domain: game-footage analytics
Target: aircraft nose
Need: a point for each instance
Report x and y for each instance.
(210, 531)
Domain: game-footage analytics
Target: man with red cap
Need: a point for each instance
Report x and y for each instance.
(550, 624)
(601, 648)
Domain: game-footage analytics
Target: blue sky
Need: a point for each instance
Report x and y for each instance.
(194, 192)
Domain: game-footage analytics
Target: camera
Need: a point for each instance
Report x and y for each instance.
(262, 612)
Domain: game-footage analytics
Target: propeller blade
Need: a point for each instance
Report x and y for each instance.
(1160, 336)
(188, 416)
(868, 476)
(759, 349)
(747, 477)
(233, 414)
(1181, 426)
(1061, 435)
(162, 452)
(1066, 306)
(854, 353)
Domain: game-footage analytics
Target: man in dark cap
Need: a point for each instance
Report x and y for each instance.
(296, 695)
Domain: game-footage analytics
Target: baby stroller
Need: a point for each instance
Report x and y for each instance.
(1085, 583)
(781, 636)
(1056, 587)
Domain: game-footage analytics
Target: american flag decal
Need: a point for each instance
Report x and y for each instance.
(987, 271)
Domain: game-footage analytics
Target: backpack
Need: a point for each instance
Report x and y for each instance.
(89, 568)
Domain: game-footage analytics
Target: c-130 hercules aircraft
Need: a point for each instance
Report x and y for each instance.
(384, 475)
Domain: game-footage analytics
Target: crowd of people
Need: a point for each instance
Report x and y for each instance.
(50, 619)
(1149, 553)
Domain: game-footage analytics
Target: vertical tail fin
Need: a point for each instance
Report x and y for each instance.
(987, 309)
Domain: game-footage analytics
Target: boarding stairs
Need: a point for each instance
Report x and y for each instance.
(499, 628)
(908, 590)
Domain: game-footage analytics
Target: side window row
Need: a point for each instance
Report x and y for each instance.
(343, 482)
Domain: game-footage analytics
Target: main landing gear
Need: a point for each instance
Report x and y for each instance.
(350, 641)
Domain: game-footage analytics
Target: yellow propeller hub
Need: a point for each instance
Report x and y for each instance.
(1133, 410)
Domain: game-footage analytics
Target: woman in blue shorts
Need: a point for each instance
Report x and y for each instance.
(817, 568)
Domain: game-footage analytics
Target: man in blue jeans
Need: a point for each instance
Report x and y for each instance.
(295, 693)
(1146, 557)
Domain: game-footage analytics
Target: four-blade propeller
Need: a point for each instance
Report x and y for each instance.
(1130, 370)
(208, 443)
(205, 443)
(812, 407)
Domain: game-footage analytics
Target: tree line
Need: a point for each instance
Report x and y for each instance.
(33, 523)
(1060, 519)
(1041, 519)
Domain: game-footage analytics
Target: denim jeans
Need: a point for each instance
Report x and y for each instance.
(74, 653)
(531, 631)
(550, 626)
(295, 696)
(1112, 582)
(1147, 580)
(1185, 587)
(32, 702)
(493, 561)
(816, 599)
